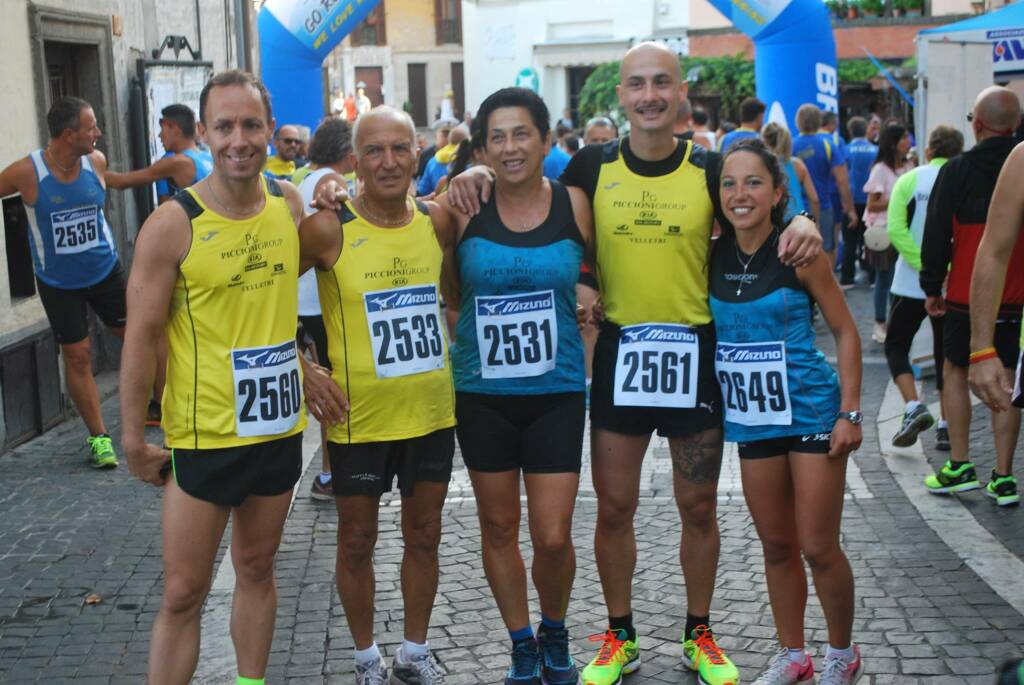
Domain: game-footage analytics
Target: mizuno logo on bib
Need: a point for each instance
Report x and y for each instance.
(755, 389)
(268, 391)
(517, 334)
(75, 230)
(657, 366)
(405, 330)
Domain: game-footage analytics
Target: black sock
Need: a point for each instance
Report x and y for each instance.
(692, 622)
(617, 623)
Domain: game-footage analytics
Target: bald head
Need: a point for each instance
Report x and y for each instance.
(382, 117)
(646, 53)
(458, 134)
(998, 109)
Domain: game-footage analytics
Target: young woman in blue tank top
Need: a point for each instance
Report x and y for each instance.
(795, 422)
(519, 375)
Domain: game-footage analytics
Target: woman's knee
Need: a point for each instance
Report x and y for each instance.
(184, 594)
(552, 540)
(780, 551)
(822, 556)
(499, 531)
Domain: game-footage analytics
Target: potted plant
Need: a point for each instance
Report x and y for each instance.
(872, 8)
(913, 7)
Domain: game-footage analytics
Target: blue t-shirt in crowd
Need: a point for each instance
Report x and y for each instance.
(861, 153)
(818, 153)
(555, 162)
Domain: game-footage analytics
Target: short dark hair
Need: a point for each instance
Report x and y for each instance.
(65, 112)
(828, 117)
(331, 142)
(857, 127)
(750, 109)
(946, 142)
(757, 147)
(234, 77)
(183, 117)
(700, 117)
(515, 97)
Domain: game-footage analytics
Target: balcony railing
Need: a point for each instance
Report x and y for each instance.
(450, 31)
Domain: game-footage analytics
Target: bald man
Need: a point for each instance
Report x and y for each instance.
(655, 200)
(378, 264)
(954, 227)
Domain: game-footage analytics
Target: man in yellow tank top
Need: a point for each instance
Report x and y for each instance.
(378, 265)
(218, 270)
(655, 201)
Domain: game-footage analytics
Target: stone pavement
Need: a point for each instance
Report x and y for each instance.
(66, 532)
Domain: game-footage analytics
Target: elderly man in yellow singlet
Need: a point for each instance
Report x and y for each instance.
(655, 202)
(218, 270)
(378, 264)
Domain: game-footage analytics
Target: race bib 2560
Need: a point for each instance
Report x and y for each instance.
(405, 330)
(268, 390)
(657, 366)
(517, 334)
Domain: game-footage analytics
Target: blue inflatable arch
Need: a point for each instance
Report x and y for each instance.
(794, 52)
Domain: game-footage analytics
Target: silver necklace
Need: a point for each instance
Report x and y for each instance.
(231, 210)
(53, 158)
(746, 264)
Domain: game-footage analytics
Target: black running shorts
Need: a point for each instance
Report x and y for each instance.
(534, 433)
(814, 443)
(369, 468)
(227, 475)
(668, 422)
(66, 309)
(956, 336)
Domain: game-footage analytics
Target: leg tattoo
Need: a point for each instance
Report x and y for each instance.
(697, 458)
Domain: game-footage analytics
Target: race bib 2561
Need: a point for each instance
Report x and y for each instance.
(657, 366)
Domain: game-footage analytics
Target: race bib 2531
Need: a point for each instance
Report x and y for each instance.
(517, 334)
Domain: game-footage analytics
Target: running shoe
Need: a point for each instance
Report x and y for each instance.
(153, 414)
(702, 654)
(784, 671)
(1003, 489)
(557, 664)
(617, 657)
(1012, 673)
(526, 662)
(914, 421)
(320, 490)
(420, 670)
(373, 673)
(878, 333)
(942, 439)
(839, 671)
(947, 479)
(103, 455)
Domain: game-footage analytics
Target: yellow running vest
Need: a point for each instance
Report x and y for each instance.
(232, 376)
(388, 345)
(653, 238)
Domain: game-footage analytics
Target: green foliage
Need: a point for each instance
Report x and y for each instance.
(856, 70)
(872, 6)
(597, 97)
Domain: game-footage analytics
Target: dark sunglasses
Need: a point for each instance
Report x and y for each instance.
(291, 141)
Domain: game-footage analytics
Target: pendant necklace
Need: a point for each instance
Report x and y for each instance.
(746, 264)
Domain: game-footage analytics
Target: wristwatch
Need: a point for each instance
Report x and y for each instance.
(854, 417)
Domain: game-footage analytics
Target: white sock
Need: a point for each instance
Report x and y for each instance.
(325, 477)
(797, 656)
(844, 654)
(913, 404)
(412, 650)
(942, 424)
(367, 656)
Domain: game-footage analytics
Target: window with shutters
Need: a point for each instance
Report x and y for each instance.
(371, 30)
(448, 20)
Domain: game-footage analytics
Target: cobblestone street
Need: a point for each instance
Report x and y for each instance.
(929, 608)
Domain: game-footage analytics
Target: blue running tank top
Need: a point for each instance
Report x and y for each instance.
(517, 330)
(796, 191)
(71, 243)
(774, 382)
(203, 162)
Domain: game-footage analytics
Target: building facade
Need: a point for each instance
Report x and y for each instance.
(409, 55)
(555, 44)
(87, 48)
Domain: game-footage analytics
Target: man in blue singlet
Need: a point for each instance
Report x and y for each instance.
(751, 121)
(73, 250)
(184, 165)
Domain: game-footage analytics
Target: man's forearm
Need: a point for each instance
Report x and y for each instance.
(138, 369)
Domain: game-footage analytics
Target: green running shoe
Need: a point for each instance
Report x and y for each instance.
(103, 455)
(948, 480)
(702, 654)
(617, 657)
(1003, 489)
